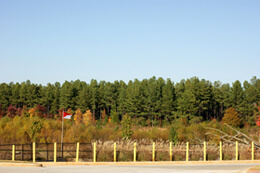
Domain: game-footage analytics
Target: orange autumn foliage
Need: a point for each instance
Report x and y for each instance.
(231, 117)
(103, 115)
(78, 117)
(88, 118)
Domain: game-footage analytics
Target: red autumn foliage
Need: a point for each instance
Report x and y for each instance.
(39, 111)
(258, 121)
(12, 111)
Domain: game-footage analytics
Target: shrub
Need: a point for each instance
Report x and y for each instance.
(162, 156)
(173, 136)
(125, 156)
(127, 127)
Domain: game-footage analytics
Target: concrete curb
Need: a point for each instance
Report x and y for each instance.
(21, 164)
(46, 164)
(144, 163)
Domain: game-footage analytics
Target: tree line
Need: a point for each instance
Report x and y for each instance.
(154, 99)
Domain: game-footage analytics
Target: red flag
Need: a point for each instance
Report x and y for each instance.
(66, 115)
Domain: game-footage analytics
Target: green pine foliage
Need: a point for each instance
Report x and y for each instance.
(114, 115)
(155, 101)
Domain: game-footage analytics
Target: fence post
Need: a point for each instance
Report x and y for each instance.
(62, 150)
(135, 152)
(33, 151)
(170, 151)
(13, 153)
(236, 150)
(77, 153)
(205, 152)
(187, 151)
(220, 151)
(55, 152)
(47, 152)
(94, 152)
(253, 150)
(115, 152)
(153, 151)
(22, 151)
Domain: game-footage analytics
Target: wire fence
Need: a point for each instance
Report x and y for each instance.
(45, 152)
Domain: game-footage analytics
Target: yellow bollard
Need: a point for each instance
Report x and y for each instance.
(135, 152)
(114, 152)
(187, 152)
(205, 154)
(170, 151)
(77, 153)
(33, 151)
(220, 151)
(94, 152)
(236, 150)
(13, 153)
(253, 150)
(55, 152)
(153, 151)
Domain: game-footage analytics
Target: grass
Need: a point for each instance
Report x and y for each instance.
(16, 161)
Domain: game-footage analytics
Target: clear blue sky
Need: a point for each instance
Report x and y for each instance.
(56, 40)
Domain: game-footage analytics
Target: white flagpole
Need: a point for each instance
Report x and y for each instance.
(62, 130)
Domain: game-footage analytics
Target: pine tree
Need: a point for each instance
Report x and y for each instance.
(236, 96)
(249, 99)
(83, 99)
(168, 99)
(94, 96)
(15, 89)
(102, 97)
(67, 95)
(187, 103)
(225, 90)
(205, 99)
(4, 95)
(152, 99)
(218, 101)
(32, 92)
(56, 100)
(122, 99)
(114, 115)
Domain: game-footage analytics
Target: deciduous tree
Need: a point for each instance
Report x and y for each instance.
(231, 117)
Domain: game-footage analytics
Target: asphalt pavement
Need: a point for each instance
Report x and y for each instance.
(199, 168)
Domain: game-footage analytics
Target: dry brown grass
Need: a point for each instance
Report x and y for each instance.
(105, 151)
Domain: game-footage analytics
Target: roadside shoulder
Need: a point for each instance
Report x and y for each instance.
(255, 169)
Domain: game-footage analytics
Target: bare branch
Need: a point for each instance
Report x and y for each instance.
(238, 132)
(239, 136)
